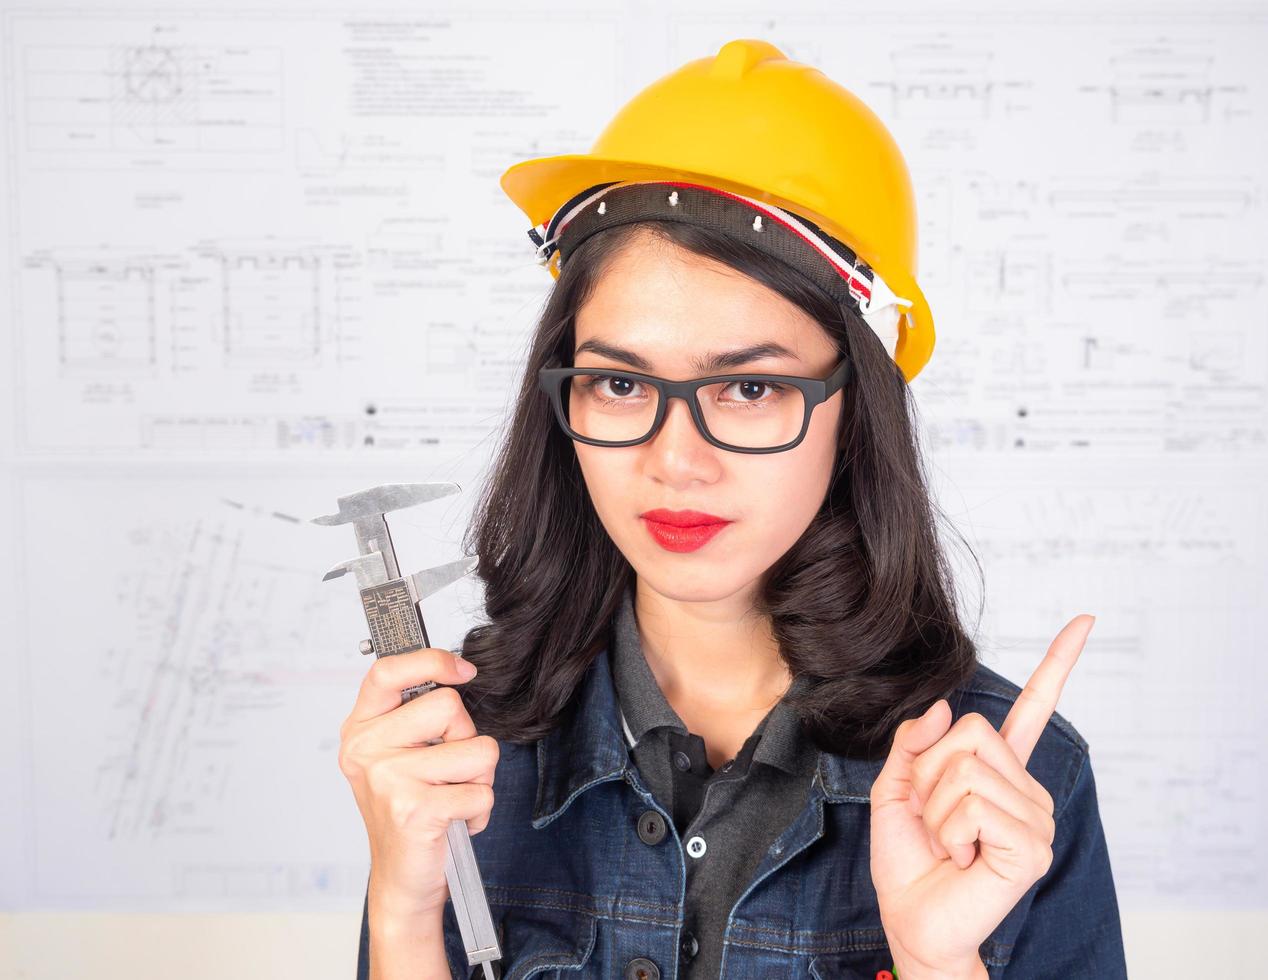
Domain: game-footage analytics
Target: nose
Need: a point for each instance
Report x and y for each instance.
(678, 449)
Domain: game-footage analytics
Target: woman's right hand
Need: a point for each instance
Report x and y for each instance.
(408, 790)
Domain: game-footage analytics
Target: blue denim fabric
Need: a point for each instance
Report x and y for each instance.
(577, 893)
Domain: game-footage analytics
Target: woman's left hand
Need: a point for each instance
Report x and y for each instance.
(960, 829)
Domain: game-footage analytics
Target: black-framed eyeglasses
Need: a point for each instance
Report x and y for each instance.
(603, 407)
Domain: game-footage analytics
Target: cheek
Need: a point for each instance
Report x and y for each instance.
(607, 477)
(791, 487)
(788, 490)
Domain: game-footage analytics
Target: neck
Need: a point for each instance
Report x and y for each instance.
(714, 658)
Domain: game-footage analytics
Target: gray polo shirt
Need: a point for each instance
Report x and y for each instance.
(726, 818)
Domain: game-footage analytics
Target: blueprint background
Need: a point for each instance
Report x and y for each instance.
(252, 259)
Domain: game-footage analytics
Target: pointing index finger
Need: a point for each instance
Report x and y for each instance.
(1038, 699)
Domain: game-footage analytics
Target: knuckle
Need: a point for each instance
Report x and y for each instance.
(444, 696)
(351, 757)
(1032, 693)
(350, 763)
(448, 696)
(401, 809)
(492, 750)
(484, 793)
(441, 659)
(1043, 860)
(978, 724)
(380, 672)
(963, 766)
(374, 772)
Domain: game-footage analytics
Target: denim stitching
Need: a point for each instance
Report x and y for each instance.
(609, 908)
(1074, 771)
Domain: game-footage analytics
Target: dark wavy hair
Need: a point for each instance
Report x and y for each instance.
(862, 602)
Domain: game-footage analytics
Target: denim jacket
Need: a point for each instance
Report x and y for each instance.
(578, 894)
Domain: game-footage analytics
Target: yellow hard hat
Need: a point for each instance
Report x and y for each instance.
(752, 122)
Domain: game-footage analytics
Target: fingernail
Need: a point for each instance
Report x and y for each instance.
(466, 669)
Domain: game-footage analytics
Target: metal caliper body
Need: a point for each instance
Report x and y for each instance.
(396, 625)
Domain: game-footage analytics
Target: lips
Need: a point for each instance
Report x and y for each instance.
(683, 518)
(682, 530)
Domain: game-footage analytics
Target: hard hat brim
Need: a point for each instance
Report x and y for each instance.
(539, 186)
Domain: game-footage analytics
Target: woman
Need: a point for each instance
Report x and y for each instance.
(726, 722)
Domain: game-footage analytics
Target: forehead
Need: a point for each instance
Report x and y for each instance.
(660, 298)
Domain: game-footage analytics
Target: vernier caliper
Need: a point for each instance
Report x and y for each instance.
(391, 602)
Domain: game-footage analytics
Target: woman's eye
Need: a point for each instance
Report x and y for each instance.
(755, 391)
(610, 386)
(620, 386)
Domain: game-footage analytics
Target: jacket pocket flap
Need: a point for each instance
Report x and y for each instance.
(540, 938)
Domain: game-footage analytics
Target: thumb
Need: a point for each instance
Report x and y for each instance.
(912, 737)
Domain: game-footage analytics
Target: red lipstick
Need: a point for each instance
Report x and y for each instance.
(682, 530)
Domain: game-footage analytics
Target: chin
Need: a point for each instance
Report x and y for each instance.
(698, 584)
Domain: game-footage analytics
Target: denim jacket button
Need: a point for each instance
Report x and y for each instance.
(651, 827)
(641, 969)
(682, 761)
(696, 846)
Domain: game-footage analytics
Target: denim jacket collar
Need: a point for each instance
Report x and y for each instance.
(591, 749)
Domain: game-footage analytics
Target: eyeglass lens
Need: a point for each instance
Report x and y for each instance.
(749, 414)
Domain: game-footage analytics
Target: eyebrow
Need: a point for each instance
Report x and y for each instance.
(716, 361)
